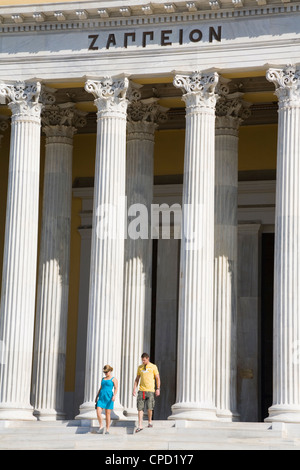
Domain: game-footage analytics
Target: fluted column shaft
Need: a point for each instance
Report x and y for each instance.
(225, 285)
(54, 262)
(142, 118)
(20, 251)
(286, 338)
(195, 323)
(230, 111)
(107, 252)
(138, 261)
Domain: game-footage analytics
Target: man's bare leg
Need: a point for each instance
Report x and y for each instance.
(149, 418)
(140, 416)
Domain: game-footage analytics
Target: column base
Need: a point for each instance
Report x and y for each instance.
(10, 412)
(284, 414)
(49, 415)
(193, 412)
(228, 416)
(130, 413)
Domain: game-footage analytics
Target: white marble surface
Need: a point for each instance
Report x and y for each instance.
(164, 436)
(20, 251)
(194, 394)
(60, 49)
(286, 338)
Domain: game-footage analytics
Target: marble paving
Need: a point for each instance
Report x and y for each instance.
(164, 436)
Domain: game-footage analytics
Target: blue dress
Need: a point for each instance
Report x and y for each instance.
(106, 394)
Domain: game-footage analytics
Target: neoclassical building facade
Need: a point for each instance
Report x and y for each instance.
(150, 201)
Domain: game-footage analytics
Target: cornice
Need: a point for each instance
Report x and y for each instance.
(117, 13)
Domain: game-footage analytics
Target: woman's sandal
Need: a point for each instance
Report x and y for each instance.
(138, 429)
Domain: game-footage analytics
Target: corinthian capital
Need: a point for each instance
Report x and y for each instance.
(62, 119)
(109, 93)
(133, 92)
(147, 110)
(23, 97)
(231, 109)
(287, 85)
(233, 106)
(199, 89)
(144, 116)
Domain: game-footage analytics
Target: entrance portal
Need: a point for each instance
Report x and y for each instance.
(267, 276)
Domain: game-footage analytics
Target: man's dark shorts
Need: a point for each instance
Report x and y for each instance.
(145, 398)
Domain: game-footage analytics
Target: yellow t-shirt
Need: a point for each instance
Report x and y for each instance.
(147, 377)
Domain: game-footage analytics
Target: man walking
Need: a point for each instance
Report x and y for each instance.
(147, 375)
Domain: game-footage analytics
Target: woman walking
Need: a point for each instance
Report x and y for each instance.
(105, 398)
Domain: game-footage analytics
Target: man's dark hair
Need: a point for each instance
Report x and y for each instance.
(145, 355)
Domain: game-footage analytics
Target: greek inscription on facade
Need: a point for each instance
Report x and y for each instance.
(163, 38)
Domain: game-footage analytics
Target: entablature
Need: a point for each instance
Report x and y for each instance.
(73, 15)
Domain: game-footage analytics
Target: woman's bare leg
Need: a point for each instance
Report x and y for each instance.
(108, 420)
(99, 417)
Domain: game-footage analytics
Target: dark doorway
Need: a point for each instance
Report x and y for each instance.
(165, 278)
(153, 301)
(267, 276)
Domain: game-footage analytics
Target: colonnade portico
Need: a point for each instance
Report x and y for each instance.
(201, 391)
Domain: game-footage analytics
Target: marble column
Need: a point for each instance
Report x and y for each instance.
(104, 337)
(230, 111)
(20, 250)
(195, 320)
(286, 337)
(60, 123)
(143, 116)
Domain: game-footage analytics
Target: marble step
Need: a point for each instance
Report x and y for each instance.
(128, 427)
(163, 436)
